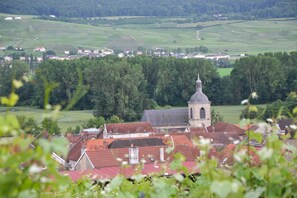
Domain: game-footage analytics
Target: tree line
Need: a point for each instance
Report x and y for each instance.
(202, 9)
(127, 86)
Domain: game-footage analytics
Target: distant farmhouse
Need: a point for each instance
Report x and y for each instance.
(197, 114)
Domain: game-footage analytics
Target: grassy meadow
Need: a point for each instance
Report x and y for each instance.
(224, 71)
(68, 119)
(234, 37)
(65, 118)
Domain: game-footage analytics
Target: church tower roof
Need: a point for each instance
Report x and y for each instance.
(199, 96)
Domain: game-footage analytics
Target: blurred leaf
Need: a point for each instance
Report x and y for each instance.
(11, 100)
(169, 149)
(295, 110)
(255, 194)
(253, 108)
(221, 189)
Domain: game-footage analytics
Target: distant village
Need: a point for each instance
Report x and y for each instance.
(69, 55)
(119, 148)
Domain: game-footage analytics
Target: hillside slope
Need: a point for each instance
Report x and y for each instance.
(220, 36)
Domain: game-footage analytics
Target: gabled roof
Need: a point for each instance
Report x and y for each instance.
(114, 157)
(216, 138)
(120, 143)
(73, 138)
(226, 156)
(166, 117)
(75, 150)
(151, 154)
(225, 127)
(180, 140)
(189, 153)
(129, 127)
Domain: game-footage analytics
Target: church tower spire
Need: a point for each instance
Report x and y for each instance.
(199, 107)
(198, 85)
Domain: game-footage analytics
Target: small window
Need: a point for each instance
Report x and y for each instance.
(202, 113)
(191, 113)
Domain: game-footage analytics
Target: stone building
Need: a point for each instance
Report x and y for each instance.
(197, 114)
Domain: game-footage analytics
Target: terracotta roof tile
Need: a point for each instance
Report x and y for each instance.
(217, 138)
(111, 172)
(98, 144)
(109, 157)
(132, 127)
(75, 150)
(182, 140)
(114, 157)
(226, 156)
(225, 127)
(73, 138)
(189, 153)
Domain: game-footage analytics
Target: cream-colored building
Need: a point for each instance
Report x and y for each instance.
(199, 108)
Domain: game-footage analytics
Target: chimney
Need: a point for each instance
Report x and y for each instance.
(162, 155)
(133, 155)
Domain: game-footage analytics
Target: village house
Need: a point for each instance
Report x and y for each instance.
(8, 18)
(221, 127)
(40, 49)
(7, 59)
(127, 130)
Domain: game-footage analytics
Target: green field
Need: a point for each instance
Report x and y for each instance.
(65, 118)
(233, 37)
(73, 118)
(224, 71)
(230, 113)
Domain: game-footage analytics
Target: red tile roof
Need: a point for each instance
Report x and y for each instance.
(75, 150)
(226, 156)
(73, 138)
(217, 138)
(176, 139)
(189, 153)
(132, 127)
(114, 157)
(198, 129)
(225, 127)
(111, 172)
(98, 144)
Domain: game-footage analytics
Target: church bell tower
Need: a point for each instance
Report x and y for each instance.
(199, 108)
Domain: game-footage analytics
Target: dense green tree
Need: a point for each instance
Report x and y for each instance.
(261, 74)
(51, 126)
(29, 125)
(65, 76)
(114, 119)
(202, 9)
(117, 88)
(216, 117)
(95, 122)
(9, 72)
